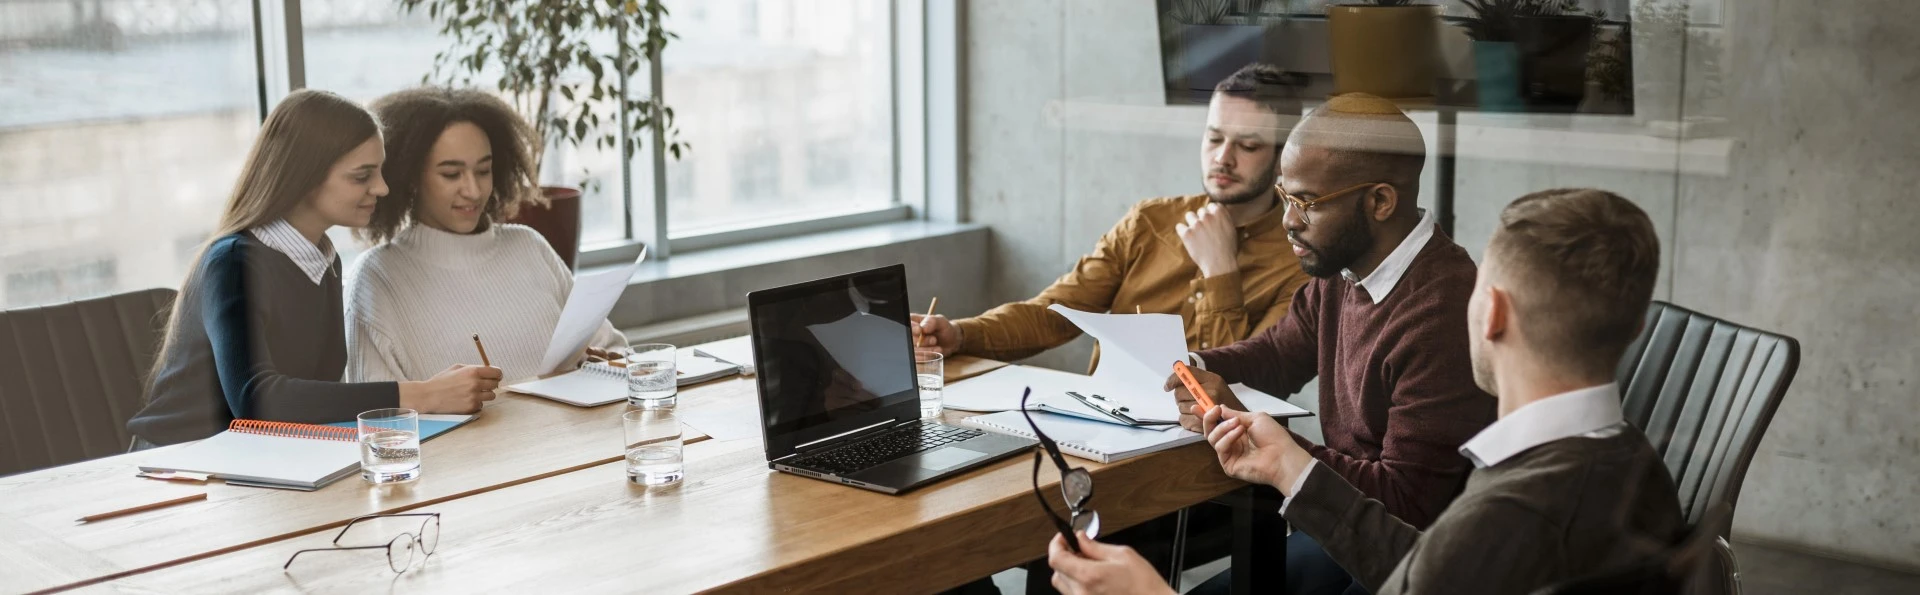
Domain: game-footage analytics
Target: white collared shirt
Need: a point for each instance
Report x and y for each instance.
(1590, 412)
(283, 238)
(1380, 282)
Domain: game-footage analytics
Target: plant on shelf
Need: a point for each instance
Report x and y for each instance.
(1530, 54)
(1384, 47)
(562, 64)
(1200, 12)
(1495, 20)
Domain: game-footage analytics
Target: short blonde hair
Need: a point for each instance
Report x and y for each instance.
(1580, 265)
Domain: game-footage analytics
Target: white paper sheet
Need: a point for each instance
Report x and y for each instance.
(587, 307)
(732, 423)
(1137, 352)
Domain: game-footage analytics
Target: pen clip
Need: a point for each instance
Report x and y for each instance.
(1110, 412)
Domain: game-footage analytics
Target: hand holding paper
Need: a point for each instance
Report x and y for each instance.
(592, 298)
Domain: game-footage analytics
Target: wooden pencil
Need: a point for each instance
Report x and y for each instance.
(142, 508)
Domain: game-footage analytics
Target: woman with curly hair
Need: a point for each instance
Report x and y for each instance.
(445, 266)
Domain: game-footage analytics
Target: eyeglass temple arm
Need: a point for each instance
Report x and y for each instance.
(296, 555)
(1065, 528)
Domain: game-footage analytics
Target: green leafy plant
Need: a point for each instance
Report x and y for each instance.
(562, 63)
(1201, 12)
(1494, 20)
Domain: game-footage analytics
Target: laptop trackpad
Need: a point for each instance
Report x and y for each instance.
(947, 458)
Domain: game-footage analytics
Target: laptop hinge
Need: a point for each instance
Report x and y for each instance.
(875, 428)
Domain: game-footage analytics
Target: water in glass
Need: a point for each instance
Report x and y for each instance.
(388, 456)
(930, 386)
(655, 464)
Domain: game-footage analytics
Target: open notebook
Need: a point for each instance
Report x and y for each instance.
(283, 455)
(269, 454)
(1085, 438)
(1000, 390)
(596, 383)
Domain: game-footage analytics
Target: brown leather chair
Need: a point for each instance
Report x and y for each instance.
(1704, 390)
(72, 374)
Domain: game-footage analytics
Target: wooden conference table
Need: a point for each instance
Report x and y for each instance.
(533, 496)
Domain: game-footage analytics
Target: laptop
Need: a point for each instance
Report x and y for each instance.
(838, 400)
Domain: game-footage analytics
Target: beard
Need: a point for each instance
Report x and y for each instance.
(1350, 242)
(1253, 191)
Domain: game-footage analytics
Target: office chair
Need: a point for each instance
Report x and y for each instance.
(1703, 391)
(72, 374)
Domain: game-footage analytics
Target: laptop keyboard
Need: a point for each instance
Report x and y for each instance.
(885, 447)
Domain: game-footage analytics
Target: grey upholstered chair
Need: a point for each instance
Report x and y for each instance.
(1704, 390)
(72, 374)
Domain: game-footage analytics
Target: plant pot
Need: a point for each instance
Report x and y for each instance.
(558, 221)
(1553, 61)
(1390, 51)
(1496, 65)
(1211, 53)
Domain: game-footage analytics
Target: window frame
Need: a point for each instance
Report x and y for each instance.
(918, 191)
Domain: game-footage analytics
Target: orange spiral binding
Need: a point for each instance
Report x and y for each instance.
(293, 430)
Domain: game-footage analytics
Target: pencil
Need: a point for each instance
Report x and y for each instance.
(483, 351)
(142, 508)
(930, 307)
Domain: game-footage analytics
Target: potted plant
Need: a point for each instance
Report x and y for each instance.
(553, 61)
(1210, 41)
(1388, 48)
(1530, 53)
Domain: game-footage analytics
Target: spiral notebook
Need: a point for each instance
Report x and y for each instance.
(269, 454)
(592, 385)
(599, 383)
(1085, 438)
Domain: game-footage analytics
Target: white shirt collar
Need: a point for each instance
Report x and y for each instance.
(1592, 411)
(1380, 282)
(283, 238)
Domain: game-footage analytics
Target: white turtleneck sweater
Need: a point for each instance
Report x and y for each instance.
(414, 303)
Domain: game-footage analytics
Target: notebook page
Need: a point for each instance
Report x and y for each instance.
(247, 457)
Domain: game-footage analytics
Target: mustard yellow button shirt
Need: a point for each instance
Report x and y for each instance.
(1141, 262)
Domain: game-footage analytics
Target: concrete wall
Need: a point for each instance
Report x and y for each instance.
(1812, 233)
(1793, 219)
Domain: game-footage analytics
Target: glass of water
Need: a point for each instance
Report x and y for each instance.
(390, 445)
(930, 374)
(653, 381)
(654, 447)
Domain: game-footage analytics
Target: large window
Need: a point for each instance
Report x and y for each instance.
(124, 122)
(788, 105)
(122, 126)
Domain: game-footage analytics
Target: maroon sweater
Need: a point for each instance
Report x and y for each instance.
(1397, 397)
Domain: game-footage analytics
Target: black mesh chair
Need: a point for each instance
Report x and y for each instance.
(1703, 390)
(72, 374)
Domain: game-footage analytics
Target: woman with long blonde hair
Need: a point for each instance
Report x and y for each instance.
(258, 329)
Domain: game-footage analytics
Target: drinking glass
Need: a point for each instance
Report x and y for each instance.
(929, 369)
(389, 445)
(654, 447)
(652, 377)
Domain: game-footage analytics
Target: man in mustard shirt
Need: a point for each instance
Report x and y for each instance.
(1220, 260)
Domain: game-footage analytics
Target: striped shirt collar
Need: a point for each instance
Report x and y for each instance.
(1380, 282)
(283, 238)
(1592, 412)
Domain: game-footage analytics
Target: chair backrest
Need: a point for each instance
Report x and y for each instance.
(72, 374)
(1703, 390)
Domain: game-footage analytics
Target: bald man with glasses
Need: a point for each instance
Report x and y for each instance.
(1382, 325)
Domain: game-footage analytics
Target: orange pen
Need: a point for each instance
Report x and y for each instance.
(1193, 386)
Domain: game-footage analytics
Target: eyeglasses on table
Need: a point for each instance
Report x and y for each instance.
(401, 551)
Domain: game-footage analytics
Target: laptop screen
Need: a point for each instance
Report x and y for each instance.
(834, 355)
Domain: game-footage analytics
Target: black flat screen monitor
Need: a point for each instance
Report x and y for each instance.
(833, 356)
